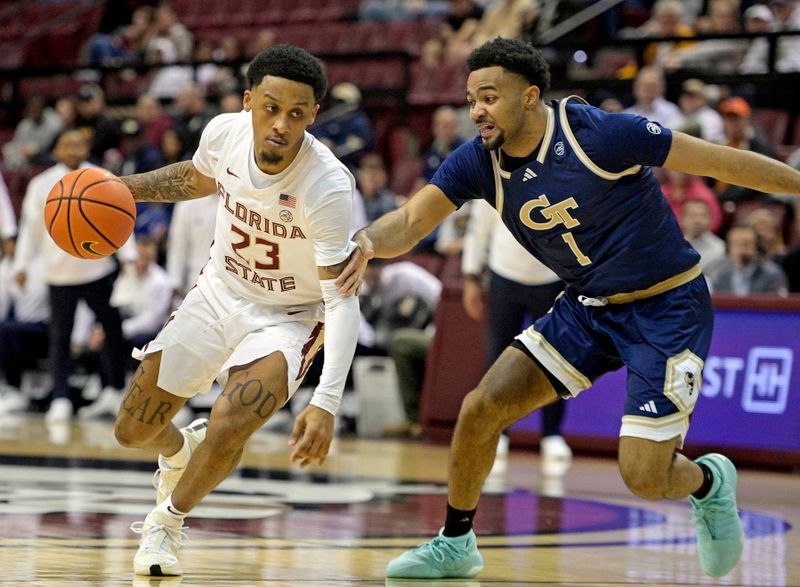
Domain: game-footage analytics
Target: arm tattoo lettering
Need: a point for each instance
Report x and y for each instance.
(172, 183)
(252, 394)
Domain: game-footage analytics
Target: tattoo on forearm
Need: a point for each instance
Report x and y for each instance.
(172, 183)
(137, 405)
(252, 393)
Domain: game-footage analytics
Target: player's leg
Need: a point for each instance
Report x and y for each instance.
(664, 378)
(250, 398)
(546, 361)
(512, 388)
(146, 412)
(112, 356)
(63, 303)
(266, 366)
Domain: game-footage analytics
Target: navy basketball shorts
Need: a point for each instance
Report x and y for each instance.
(662, 340)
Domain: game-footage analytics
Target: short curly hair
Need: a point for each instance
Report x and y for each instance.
(515, 56)
(289, 62)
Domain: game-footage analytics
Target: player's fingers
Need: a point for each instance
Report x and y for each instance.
(297, 430)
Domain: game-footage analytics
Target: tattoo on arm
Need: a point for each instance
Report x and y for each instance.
(172, 183)
(137, 405)
(251, 393)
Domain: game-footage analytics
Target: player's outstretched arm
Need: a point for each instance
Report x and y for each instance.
(735, 166)
(172, 183)
(395, 233)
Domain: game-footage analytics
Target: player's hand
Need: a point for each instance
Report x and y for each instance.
(472, 298)
(349, 281)
(21, 278)
(311, 436)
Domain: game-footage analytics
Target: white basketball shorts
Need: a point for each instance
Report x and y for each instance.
(213, 331)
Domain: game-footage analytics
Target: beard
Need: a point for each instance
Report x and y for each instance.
(494, 144)
(267, 158)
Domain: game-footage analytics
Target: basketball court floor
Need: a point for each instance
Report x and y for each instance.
(68, 495)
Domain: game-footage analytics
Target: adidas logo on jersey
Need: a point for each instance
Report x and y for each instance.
(529, 174)
(649, 407)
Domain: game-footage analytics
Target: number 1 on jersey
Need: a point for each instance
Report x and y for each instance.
(573, 246)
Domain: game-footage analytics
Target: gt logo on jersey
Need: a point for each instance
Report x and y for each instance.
(555, 214)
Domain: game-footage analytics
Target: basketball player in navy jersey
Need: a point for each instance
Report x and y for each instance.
(574, 186)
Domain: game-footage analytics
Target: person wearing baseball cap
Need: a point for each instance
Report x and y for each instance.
(740, 134)
(693, 102)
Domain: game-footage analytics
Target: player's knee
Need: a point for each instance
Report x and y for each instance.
(482, 407)
(644, 483)
(227, 436)
(129, 435)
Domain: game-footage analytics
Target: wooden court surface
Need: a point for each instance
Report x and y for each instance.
(68, 495)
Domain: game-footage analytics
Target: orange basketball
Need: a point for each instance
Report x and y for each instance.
(90, 213)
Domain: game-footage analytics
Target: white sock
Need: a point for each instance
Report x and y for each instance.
(168, 511)
(179, 460)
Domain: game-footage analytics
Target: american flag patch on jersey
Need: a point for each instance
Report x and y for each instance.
(287, 200)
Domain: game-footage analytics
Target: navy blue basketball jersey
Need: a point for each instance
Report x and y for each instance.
(586, 202)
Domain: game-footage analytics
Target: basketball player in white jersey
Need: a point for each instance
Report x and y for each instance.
(254, 320)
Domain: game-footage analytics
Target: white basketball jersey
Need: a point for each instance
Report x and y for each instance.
(272, 231)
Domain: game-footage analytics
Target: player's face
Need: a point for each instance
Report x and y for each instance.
(282, 110)
(496, 105)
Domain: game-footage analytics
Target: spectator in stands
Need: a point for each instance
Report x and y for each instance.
(400, 10)
(192, 113)
(205, 73)
(33, 136)
(152, 119)
(446, 138)
(681, 187)
(345, 127)
(137, 155)
(611, 104)
(372, 181)
(787, 18)
(713, 55)
(757, 19)
(665, 21)
(398, 303)
(456, 31)
(173, 147)
(8, 220)
(791, 265)
(191, 232)
(143, 295)
(70, 279)
(695, 218)
(503, 18)
(167, 78)
(770, 237)
(521, 289)
(67, 110)
(263, 39)
(125, 44)
(102, 133)
(23, 327)
(695, 108)
(745, 272)
(228, 78)
(740, 134)
(230, 103)
(648, 91)
(166, 26)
